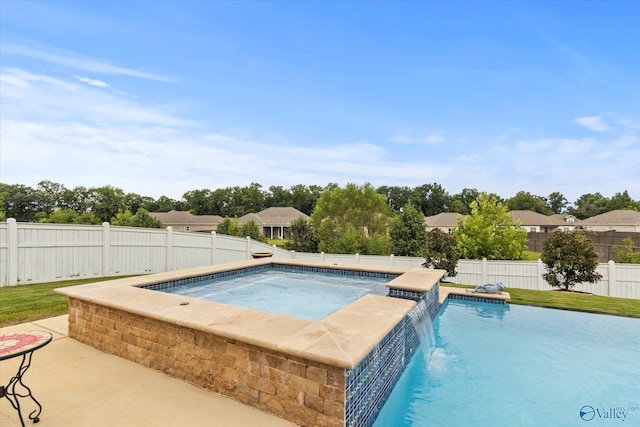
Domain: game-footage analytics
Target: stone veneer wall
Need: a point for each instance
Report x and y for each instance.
(305, 392)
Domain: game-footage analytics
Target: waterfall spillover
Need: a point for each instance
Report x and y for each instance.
(421, 321)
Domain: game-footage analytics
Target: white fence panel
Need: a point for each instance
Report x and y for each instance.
(33, 253)
(230, 249)
(192, 250)
(137, 251)
(4, 255)
(627, 280)
(58, 251)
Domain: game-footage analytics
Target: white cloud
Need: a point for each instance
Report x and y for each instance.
(593, 123)
(71, 60)
(433, 138)
(92, 82)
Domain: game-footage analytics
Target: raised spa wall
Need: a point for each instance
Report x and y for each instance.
(334, 372)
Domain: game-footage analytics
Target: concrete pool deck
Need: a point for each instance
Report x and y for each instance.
(78, 385)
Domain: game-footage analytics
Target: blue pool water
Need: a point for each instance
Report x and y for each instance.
(508, 365)
(304, 294)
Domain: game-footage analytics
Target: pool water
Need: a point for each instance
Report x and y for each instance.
(309, 295)
(509, 365)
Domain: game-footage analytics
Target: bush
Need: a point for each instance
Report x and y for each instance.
(570, 259)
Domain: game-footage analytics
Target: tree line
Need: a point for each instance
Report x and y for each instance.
(54, 202)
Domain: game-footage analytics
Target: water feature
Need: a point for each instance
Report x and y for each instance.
(510, 365)
(421, 321)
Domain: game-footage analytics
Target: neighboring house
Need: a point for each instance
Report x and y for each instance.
(567, 222)
(534, 222)
(618, 220)
(445, 221)
(186, 221)
(274, 221)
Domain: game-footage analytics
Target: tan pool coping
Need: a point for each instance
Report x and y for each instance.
(80, 386)
(341, 339)
(445, 291)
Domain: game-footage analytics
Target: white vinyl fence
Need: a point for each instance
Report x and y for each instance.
(36, 253)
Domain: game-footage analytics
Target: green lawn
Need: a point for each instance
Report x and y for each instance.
(38, 301)
(25, 303)
(571, 301)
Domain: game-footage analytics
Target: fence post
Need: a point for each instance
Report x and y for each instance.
(106, 249)
(357, 258)
(392, 260)
(484, 271)
(612, 279)
(322, 256)
(213, 247)
(248, 247)
(12, 252)
(541, 280)
(169, 260)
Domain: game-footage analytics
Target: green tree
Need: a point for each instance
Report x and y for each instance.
(570, 259)
(378, 244)
(408, 233)
(350, 241)
(621, 201)
(69, 216)
(354, 208)
(461, 202)
(106, 202)
(19, 202)
(124, 218)
(525, 201)
(251, 229)
(278, 197)
(198, 202)
(488, 232)
(589, 205)
(431, 199)
(440, 252)
(397, 197)
(230, 227)
(144, 220)
(304, 198)
(557, 203)
(626, 254)
(302, 236)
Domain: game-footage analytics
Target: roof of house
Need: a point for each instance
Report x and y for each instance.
(562, 218)
(443, 219)
(278, 216)
(617, 217)
(186, 218)
(535, 218)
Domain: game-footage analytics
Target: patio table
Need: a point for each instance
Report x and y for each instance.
(15, 345)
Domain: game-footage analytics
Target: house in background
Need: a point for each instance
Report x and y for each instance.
(445, 221)
(534, 222)
(618, 220)
(566, 222)
(274, 222)
(186, 221)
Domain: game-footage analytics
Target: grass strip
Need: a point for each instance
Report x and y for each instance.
(571, 301)
(25, 303)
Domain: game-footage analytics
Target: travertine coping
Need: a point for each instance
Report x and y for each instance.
(341, 339)
(417, 280)
(445, 291)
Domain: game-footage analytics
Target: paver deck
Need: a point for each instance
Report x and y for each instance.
(78, 385)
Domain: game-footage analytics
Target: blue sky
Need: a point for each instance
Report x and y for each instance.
(163, 97)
